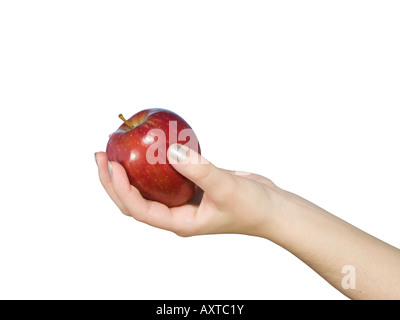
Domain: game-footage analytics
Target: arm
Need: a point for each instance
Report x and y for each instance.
(236, 202)
(354, 262)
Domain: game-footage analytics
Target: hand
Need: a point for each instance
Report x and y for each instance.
(225, 202)
(234, 202)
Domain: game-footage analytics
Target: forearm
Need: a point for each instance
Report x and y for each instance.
(354, 262)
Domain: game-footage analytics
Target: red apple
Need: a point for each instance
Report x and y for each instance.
(140, 145)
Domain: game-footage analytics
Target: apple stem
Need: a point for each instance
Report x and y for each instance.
(130, 126)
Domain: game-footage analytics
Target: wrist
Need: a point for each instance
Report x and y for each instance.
(285, 207)
(273, 211)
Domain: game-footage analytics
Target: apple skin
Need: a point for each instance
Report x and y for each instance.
(159, 181)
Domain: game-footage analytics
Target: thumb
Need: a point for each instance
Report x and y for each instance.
(192, 165)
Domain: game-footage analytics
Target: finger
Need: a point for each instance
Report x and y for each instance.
(237, 173)
(105, 179)
(255, 177)
(242, 173)
(216, 182)
(151, 212)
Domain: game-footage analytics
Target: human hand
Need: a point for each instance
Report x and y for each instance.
(225, 202)
(235, 202)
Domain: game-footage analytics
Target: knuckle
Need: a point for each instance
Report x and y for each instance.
(182, 233)
(138, 217)
(125, 212)
(202, 172)
(186, 230)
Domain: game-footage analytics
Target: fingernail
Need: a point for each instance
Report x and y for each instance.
(95, 158)
(177, 153)
(110, 168)
(242, 173)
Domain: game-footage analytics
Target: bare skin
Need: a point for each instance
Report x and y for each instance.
(245, 203)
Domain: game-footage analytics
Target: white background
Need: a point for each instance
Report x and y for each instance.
(303, 92)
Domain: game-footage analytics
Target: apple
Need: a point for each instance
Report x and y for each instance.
(140, 145)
